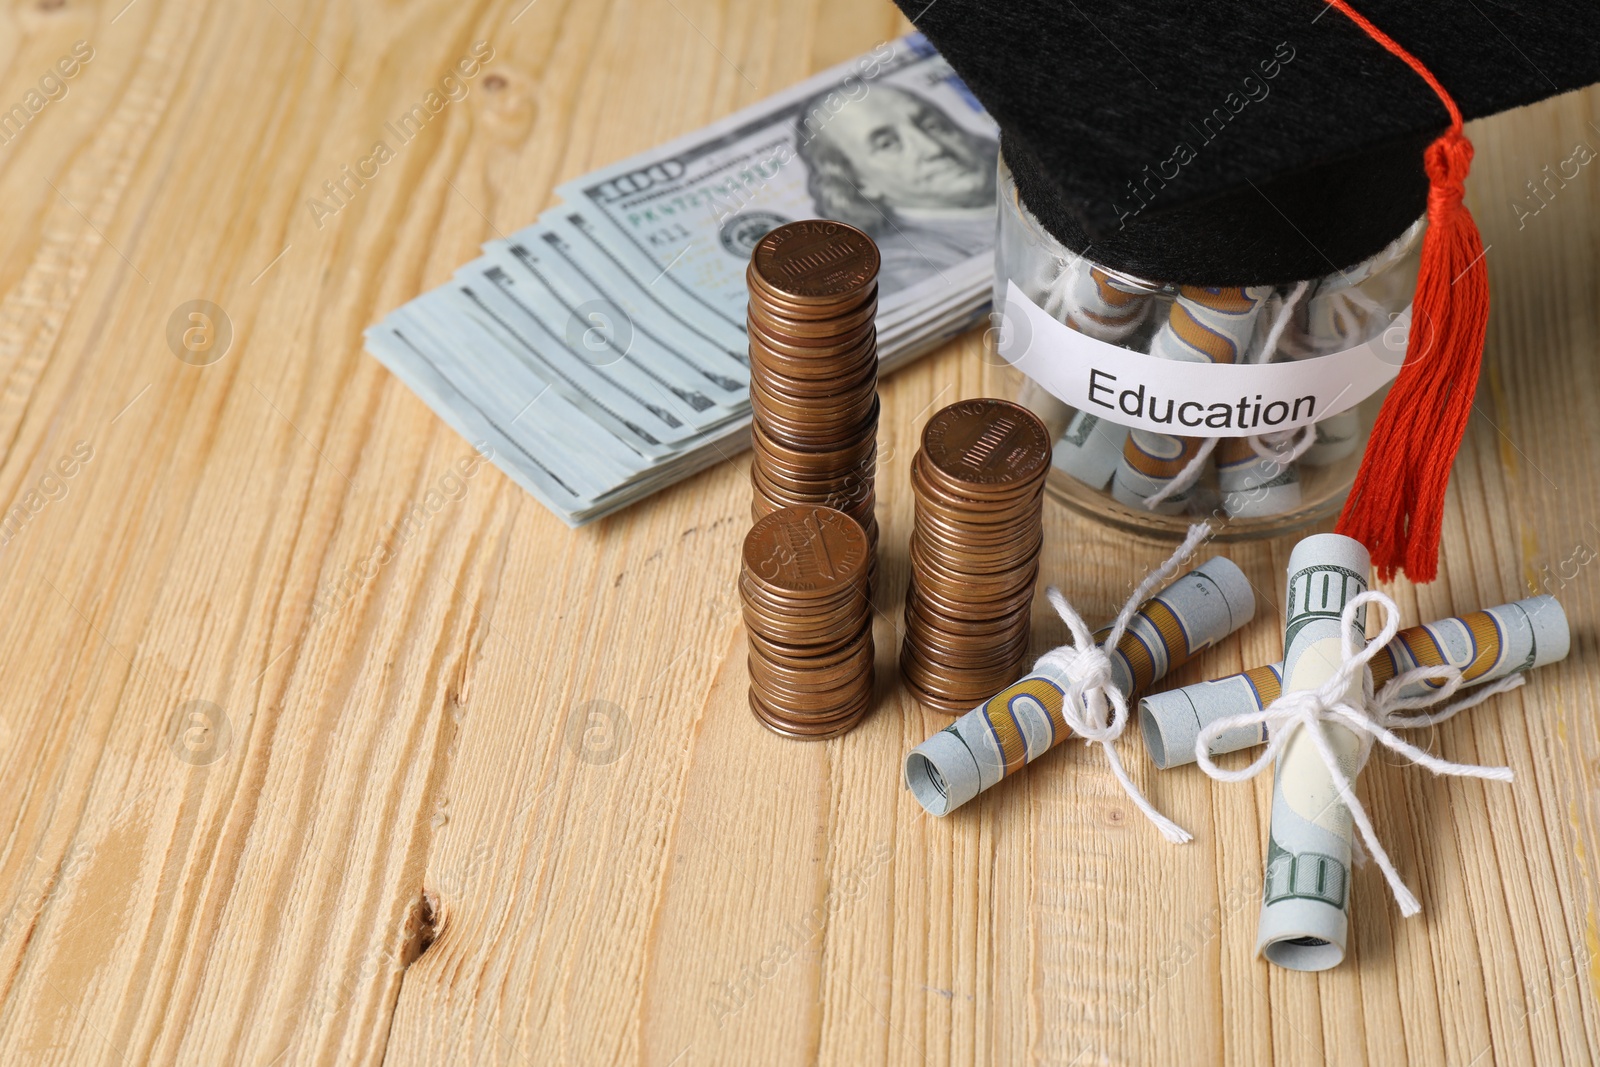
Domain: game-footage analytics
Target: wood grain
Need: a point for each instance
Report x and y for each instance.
(498, 799)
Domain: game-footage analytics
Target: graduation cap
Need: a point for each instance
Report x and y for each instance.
(1235, 143)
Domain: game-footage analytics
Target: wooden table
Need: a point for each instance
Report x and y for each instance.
(497, 798)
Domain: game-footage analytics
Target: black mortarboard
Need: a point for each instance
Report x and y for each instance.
(1306, 135)
(1237, 143)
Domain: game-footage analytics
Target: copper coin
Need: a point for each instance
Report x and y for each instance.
(845, 456)
(787, 655)
(819, 698)
(944, 632)
(804, 704)
(805, 552)
(774, 618)
(842, 357)
(815, 379)
(948, 539)
(985, 446)
(998, 582)
(817, 435)
(852, 500)
(971, 687)
(955, 699)
(990, 511)
(834, 381)
(804, 712)
(807, 698)
(791, 614)
(964, 557)
(989, 563)
(846, 408)
(802, 330)
(964, 625)
(805, 446)
(822, 435)
(820, 632)
(822, 731)
(953, 655)
(944, 707)
(976, 600)
(851, 487)
(967, 651)
(935, 598)
(766, 298)
(997, 510)
(852, 495)
(848, 474)
(815, 261)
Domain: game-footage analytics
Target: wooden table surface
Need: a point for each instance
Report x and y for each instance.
(499, 800)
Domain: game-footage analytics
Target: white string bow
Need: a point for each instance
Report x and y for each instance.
(1094, 707)
(1371, 717)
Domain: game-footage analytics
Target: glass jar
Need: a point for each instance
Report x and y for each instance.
(1263, 466)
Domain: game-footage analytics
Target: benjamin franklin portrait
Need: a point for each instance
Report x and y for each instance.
(894, 164)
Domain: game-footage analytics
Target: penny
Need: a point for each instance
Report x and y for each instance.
(985, 445)
(805, 656)
(820, 731)
(772, 300)
(814, 260)
(805, 551)
(774, 321)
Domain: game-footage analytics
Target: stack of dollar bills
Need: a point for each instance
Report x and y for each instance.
(601, 352)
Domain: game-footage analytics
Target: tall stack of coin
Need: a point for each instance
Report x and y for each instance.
(814, 371)
(978, 482)
(808, 621)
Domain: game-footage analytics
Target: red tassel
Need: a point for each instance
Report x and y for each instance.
(1396, 508)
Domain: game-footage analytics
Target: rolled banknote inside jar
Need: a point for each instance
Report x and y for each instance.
(1023, 721)
(1090, 449)
(1204, 325)
(1306, 891)
(1103, 307)
(1346, 309)
(1484, 646)
(1254, 485)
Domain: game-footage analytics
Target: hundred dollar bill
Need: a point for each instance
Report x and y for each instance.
(1485, 646)
(1306, 892)
(690, 212)
(1023, 721)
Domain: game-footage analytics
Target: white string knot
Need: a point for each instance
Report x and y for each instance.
(1372, 717)
(1094, 707)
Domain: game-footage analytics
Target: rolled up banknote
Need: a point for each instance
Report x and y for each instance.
(1253, 485)
(1484, 646)
(1090, 449)
(1306, 892)
(1103, 307)
(1023, 721)
(1205, 325)
(1338, 436)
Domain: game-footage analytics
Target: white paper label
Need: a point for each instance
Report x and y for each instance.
(1192, 399)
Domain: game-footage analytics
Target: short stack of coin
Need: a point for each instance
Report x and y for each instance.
(814, 370)
(978, 483)
(808, 622)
